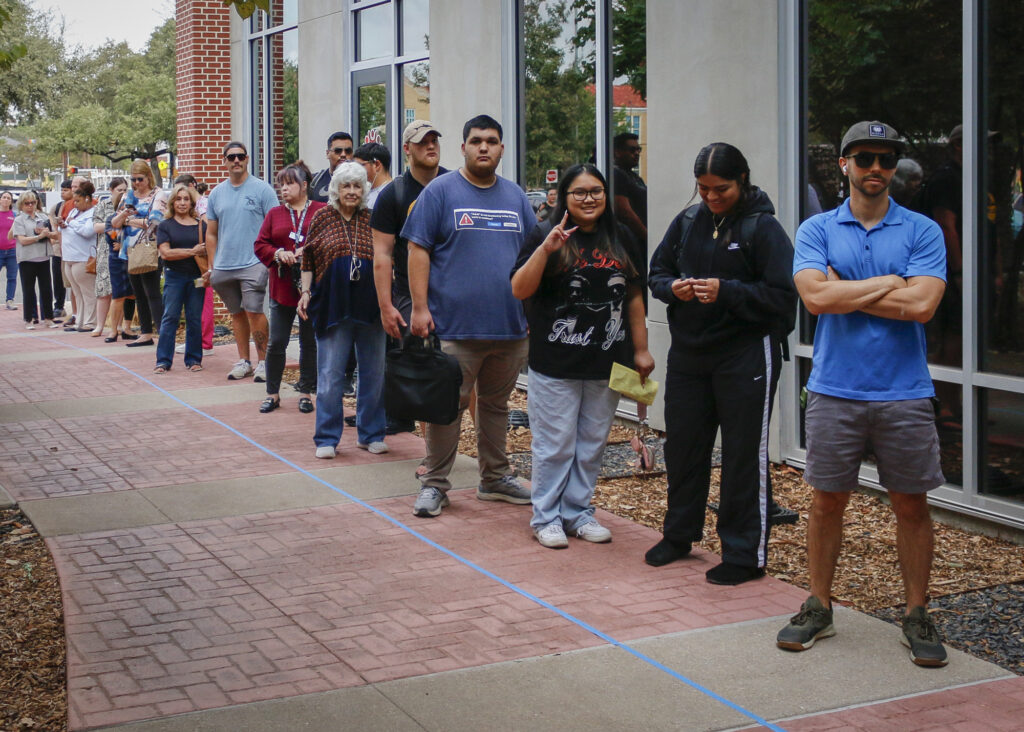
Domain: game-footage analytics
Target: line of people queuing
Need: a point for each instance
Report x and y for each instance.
(458, 253)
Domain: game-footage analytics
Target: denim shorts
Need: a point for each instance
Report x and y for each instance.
(901, 434)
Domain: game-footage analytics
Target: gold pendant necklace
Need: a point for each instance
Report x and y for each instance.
(716, 225)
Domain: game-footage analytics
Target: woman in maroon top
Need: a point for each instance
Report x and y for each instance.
(279, 247)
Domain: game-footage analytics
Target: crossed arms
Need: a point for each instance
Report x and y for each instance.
(887, 296)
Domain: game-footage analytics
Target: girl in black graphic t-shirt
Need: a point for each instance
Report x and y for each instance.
(584, 305)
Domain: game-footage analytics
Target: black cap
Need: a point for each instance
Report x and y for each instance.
(871, 132)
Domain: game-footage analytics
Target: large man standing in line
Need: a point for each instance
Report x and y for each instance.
(464, 236)
(339, 149)
(874, 272)
(234, 215)
(420, 140)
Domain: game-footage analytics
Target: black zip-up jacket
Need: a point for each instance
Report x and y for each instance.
(756, 295)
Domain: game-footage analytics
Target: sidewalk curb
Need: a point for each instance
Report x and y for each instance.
(5, 499)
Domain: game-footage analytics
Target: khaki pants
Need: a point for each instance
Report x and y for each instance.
(83, 286)
(491, 367)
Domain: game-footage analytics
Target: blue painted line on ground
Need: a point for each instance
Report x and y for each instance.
(444, 550)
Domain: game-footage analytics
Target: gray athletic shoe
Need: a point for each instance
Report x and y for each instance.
(507, 489)
(552, 536)
(259, 374)
(429, 502)
(592, 531)
(921, 637)
(813, 622)
(240, 370)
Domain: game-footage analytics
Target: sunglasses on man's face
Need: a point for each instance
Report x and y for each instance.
(866, 159)
(341, 150)
(235, 157)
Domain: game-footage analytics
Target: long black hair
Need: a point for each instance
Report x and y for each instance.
(607, 228)
(727, 162)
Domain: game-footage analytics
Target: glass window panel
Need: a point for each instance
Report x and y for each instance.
(844, 84)
(373, 113)
(290, 12)
(415, 26)
(1001, 421)
(416, 91)
(559, 86)
(1001, 206)
(374, 37)
(256, 146)
(284, 90)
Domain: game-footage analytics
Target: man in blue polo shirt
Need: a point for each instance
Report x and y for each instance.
(874, 272)
(464, 233)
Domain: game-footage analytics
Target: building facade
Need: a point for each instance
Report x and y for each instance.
(780, 79)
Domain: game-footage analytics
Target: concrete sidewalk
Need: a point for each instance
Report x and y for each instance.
(210, 585)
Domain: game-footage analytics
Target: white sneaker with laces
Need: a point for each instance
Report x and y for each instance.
(593, 532)
(325, 452)
(240, 370)
(378, 447)
(552, 536)
(259, 374)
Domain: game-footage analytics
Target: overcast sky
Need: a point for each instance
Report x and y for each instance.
(89, 23)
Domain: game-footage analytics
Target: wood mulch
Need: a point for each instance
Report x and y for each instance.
(32, 653)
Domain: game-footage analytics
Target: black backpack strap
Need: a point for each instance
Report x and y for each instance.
(689, 215)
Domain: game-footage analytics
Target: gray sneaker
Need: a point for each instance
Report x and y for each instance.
(813, 622)
(552, 536)
(429, 502)
(259, 374)
(240, 370)
(921, 637)
(507, 489)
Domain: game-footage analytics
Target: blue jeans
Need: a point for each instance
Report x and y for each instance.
(332, 351)
(179, 291)
(570, 420)
(9, 259)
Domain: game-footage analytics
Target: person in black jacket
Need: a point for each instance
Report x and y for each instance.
(724, 268)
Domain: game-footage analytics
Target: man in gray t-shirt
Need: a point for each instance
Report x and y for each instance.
(236, 209)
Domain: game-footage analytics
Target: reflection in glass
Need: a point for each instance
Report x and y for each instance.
(1001, 418)
(1001, 204)
(256, 146)
(373, 33)
(415, 26)
(373, 113)
(286, 72)
(629, 119)
(415, 92)
(559, 86)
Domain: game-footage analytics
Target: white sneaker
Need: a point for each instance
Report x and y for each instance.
(29, 326)
(240, 370)
(11, 305)
(259, 374)
(325, 453)
(206, 351)
(552, 536)
(180, 348)
(592, 531)
(51, 324)
(378, 447)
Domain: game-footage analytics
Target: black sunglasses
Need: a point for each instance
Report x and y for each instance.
(341, 150)
(235, 157)
(865, 160)
(138, 178)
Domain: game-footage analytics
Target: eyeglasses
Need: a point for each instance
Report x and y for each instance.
(865, 160)
(580, 194)
(355, 264)
(341, 150)
(235, 157)
(138, 179)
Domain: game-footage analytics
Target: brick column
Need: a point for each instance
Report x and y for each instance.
(203, 55)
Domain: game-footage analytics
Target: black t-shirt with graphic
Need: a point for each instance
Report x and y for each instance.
(578, 318)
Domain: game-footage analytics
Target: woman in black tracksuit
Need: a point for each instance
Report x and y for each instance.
(725, 269)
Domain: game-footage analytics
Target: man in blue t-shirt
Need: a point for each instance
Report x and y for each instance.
(234, 215)
(464, 233)
(874, 272)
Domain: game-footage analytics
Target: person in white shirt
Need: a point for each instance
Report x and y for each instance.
(78, 244)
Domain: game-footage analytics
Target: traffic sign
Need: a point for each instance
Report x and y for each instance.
(551, 177)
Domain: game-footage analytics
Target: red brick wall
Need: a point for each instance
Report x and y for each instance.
(203, 54)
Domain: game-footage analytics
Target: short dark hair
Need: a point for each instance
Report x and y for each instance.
(620, 140)
(235, 143)
(338, 136)
(117, 181)
(481, 122)
(202, 188)
(186, 178)
(66, 183)
(371, 151)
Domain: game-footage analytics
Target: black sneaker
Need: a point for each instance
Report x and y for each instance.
(813, 622)
(728, 573)
(921, 637)
(666, 551)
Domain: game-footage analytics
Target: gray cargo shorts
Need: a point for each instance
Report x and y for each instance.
(241, 289)
(901, 434)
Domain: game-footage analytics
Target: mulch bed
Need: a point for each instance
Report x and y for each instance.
(975, 584)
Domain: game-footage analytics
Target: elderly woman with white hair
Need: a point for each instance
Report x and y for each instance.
(339, 296)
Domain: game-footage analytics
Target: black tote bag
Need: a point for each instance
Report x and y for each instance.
(421, 382)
